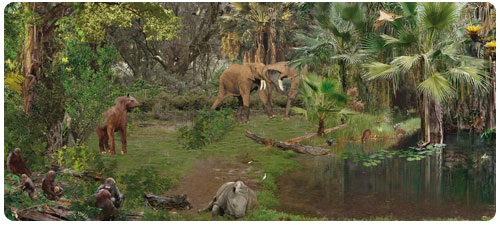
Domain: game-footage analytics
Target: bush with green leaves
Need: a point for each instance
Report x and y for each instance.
(83, 159)
(86, 76)
(22, 131)
(145, 180)
(209, 126)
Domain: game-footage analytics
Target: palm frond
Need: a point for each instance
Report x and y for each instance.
(409, 8)
(372, 44)
(377, 70)
(471, 76)
(349, 58)
(436, 87)
(405, 63)
(439, 15)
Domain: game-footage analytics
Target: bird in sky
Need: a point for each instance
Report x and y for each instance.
(384, 17)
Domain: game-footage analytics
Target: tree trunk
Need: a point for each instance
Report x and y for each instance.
(36, 38)
(490, 124)
(309, 136)
(321, 126)
(343, 75)
(298, 148)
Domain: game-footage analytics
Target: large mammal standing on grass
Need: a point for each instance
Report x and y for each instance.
(239, 80)
(287, 71)
(16, 164)
(117, 121)
(233, 198)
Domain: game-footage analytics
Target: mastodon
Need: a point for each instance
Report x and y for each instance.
(233, 198)
(288, 71)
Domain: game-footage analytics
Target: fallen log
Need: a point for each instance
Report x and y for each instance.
(174, 202)
(298, 148)
(311, 135)
(47, 214)
(133, 216)
(90, 175)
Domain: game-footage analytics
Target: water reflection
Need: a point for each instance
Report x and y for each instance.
(456, 183)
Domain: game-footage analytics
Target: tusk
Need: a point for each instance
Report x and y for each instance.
(280, 84)
(262, 85)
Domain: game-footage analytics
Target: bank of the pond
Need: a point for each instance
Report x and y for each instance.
(154, 143)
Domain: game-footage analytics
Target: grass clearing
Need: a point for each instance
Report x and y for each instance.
(154, 143)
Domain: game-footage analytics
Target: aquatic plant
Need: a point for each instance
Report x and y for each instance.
(411, 154)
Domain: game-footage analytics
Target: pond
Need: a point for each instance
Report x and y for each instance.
(459, 181)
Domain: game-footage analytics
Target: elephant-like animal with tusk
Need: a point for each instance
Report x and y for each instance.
(239, 81)
(287, 71)
(232, 198)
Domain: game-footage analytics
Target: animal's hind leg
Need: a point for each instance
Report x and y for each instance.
(220, 97)
(103, 138)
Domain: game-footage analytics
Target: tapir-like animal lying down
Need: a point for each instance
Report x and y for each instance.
(233, 198)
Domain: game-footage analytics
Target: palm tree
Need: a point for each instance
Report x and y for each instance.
(259, 31)
(335, 39)
(431, 59)
(321, 98)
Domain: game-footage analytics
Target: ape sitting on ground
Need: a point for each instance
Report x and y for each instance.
(116, 117)
(28, 185)
(116, 196)
(103, 201)
(16, 164)
(50, 187)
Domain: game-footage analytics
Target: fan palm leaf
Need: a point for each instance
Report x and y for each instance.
(376, 70)
(436, 87)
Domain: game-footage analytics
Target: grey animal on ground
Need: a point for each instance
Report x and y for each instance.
(233, 198)
(116, 196)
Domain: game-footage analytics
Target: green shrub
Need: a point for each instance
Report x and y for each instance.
(209, 126)
(82, 159)
(22, 131)
(145, 180)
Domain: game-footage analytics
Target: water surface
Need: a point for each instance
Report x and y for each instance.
(456, 183)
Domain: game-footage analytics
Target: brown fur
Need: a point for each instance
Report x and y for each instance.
(291, 73)
(401, 131)
(103, 201)
(239, 80)
(116, 117)
(16, 164)
(50, 187)
(366, 134)
(28, 185)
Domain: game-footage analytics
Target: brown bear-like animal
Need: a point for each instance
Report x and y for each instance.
(16, 164)
(117, 121)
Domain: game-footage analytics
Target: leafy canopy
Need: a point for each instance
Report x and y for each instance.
(157, 22)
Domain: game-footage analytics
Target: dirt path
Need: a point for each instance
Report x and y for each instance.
(201, 185)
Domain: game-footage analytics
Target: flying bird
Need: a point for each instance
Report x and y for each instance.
(265, 176)
(484, 156)
(384, 17)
